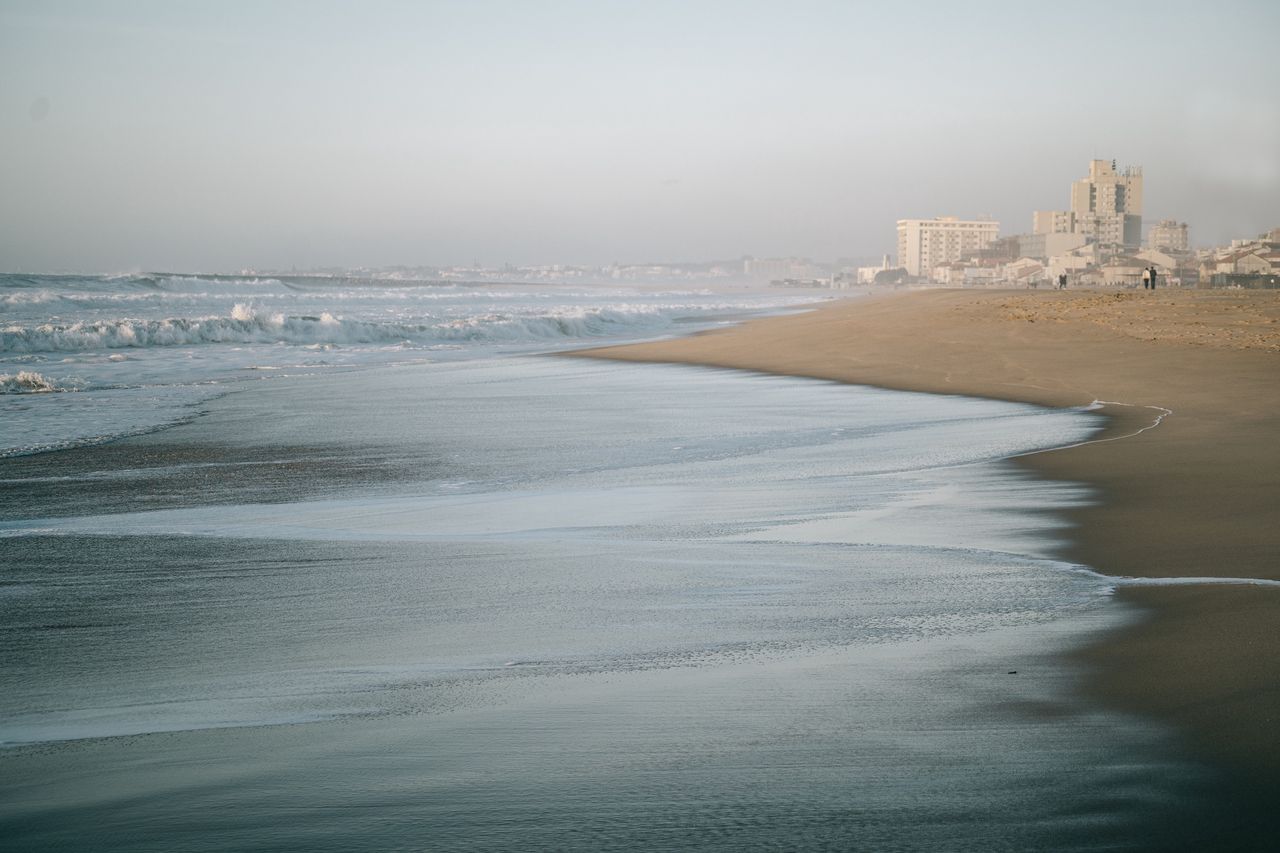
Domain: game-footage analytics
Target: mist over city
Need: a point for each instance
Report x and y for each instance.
(153, 135)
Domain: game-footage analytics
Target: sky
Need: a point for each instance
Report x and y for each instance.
(216, 136)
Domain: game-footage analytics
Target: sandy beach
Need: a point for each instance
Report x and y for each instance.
(1187, 474)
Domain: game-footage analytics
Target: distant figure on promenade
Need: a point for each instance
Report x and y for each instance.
(1154, 273)
(1146, 278)
(1062, 281)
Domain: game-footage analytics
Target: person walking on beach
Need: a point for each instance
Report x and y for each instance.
(1146, 278)
(1154, 273)
(1062, 281)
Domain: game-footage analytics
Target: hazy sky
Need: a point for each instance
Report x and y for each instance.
(220, 135)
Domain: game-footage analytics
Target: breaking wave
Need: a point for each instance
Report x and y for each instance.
(244, 325)
(563, 323)
(28, 297)
(247, 325)
(30, 382)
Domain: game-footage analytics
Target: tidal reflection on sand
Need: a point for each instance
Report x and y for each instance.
(616, 607)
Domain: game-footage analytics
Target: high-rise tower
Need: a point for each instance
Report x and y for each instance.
(1108, 204)
(1106, 207)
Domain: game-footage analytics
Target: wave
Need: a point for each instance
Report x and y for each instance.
(158, 296)
(14, 285)
(92, 299)
(177, 281)
(53, 293)
(30, 382)
(564, 323)
(161, 280)
(247, 325)
(29, 297)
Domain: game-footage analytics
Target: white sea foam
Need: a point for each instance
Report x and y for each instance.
(28, 297)
(30, 382)
(247, 324)
(186, 280)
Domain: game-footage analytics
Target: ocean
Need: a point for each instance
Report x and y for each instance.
(143, 350)
(307, 564)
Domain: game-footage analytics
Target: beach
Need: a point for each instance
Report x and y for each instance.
(1186, 476)
(538, 603)
(299, 564)
(639, 428)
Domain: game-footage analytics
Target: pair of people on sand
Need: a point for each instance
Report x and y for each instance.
(1149, 278)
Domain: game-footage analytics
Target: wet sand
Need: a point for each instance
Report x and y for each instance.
(1191, 494)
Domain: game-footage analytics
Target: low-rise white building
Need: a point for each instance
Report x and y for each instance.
(1024, 271)
(867, 275)
(1123, 270)
(1070, 265)
(982, 276)
(1163, 261)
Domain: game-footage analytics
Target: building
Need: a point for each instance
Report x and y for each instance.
(1124, 271)
(1254, 265)
(1245, 263)
(1106, 207)
(1046, 245)
(1070, 265)
(1168, 235)
(927, 243)
(780, 269)
(1001, 250)
(1053, 222)
(867, 275)
(1024, 272)
(1163, 261)
(1108, 204)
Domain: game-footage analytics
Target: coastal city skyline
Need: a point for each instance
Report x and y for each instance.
(1170, 231)
(1103, 227)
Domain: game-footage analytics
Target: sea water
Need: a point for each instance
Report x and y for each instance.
(144, 350)
(513, 602)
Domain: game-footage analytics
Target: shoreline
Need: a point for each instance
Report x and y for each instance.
(1189, 380)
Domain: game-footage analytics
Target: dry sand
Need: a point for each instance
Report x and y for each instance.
(1197, 496)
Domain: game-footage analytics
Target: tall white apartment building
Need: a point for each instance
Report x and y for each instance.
(1106, 207)
(926, 243)
(1108, 203)
(1169, 234)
